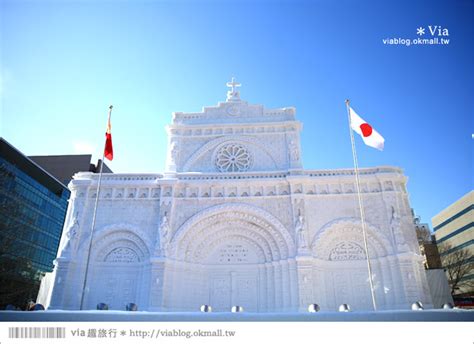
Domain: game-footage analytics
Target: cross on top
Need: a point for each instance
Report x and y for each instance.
(233, 84)
(233, 94)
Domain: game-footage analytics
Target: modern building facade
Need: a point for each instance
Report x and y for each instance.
(454, 226)
(33, 208)
(63, 167)
(236, 220)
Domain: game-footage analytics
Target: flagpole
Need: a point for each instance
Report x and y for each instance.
(93, 221)
(361, 207)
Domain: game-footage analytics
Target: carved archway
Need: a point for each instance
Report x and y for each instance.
(120, 247)
(342, 239)
(341, 258)
(232, 253)
(118, 235)
(118, 262)
(202, 233)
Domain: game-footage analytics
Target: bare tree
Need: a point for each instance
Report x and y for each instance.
(457, 264)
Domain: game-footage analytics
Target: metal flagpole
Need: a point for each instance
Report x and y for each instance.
(93, 221)
(361, 207)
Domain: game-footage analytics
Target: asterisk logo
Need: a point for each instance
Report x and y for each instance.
(420, 31)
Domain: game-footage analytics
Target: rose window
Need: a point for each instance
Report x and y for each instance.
(233, 158)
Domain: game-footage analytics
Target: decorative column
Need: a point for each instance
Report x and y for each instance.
(293, 284)
(388, 290)
(170, 280)
(262, 288)
(61, 287)
(271, 287)
(392, 292)
(286, 293)
(408, 279)
(304, 269)
(319, 285)
(278, 286)
(398, 292)
(379, 280)
(155, 296)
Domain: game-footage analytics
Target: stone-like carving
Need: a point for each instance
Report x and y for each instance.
(164, 231)
(71, 234)
(233, 253)
(293, 150)
(174, 152)
(233, 157)
(213, 233)
(222, 213)
(117, 235)
(195, 236)
(122, 255)
(234, 110)
(397, 232)
(300, 231)
(349, 229)
(233, 94)
(270, 152)
(347, 250)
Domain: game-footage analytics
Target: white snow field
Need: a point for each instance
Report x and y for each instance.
(398, 315)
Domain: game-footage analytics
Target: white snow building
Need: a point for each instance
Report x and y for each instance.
(236, 220)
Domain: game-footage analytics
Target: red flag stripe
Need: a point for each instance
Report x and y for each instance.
(108, 150)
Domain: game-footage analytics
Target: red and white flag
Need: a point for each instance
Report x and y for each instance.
(108, 150)
(370, 136)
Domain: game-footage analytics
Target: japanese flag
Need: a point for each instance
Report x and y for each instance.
(370, 136)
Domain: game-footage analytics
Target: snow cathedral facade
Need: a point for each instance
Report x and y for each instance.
(236, 220)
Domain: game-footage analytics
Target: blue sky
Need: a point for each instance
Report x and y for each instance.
(64, 62)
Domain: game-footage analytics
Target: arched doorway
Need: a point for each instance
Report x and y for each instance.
(232, 254)
(118, 268)
(340, 269)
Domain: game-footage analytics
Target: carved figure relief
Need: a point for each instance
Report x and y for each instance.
(174, 152)
(300, 231)
(397, 233)
(164, 231)
(70, 237)
(293, 151)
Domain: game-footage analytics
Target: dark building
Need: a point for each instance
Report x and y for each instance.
(33, 206)
(427, 242)
(430, 251)
(63, 167)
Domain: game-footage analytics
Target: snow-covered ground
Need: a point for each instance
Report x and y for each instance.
(399, 315)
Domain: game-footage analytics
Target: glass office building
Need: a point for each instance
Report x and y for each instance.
(33, 206)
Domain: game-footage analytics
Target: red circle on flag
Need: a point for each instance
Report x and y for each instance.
(366, 129)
